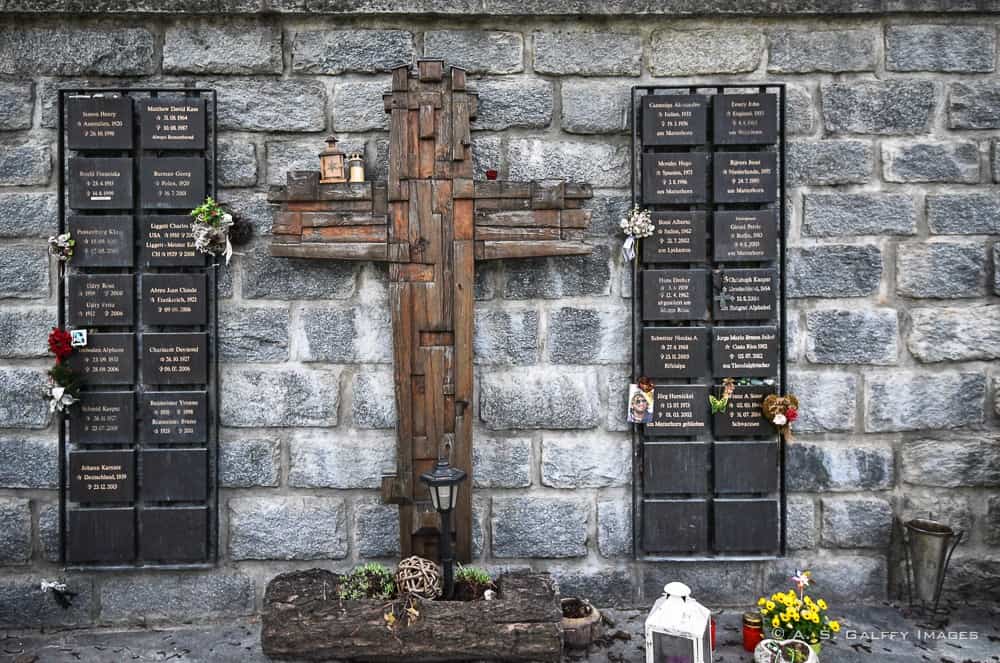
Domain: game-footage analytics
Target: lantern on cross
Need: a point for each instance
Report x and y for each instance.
(331, 163)
(678, 629)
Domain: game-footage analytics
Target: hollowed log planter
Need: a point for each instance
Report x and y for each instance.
(304, 620)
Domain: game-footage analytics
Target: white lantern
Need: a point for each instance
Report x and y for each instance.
(678, 629)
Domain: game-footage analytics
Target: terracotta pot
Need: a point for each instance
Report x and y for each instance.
(766, 651)
(580, 632)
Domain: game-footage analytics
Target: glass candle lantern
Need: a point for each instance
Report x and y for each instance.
(753, 630)
(678, 628)
(356, 166)
(331, 163)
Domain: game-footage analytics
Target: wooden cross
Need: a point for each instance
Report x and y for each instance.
(431, 222)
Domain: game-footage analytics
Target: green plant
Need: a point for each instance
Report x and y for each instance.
(473, 575)
(369, 581)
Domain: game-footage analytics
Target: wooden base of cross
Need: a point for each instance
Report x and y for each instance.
(431, 222)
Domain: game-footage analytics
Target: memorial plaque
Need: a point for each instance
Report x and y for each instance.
(679, 526)
(677, 237)
(674, 294)
(675, 178)
(100, 183)
(101, 241)
(677, 119)
(742, 236)
(106, 359)
(175, 358)
(103, 417)
(174, 534)
(101, 535)
(174, 475)
(674, 352)
(745, 294)
(101, 476)
(101, 300)
(745, 119)
(176, 123)
(99, 123)
(745, 352)
(746, 467)
(743, 416)
(745, 177)
(175, 417)
(174, 299)
(167, 242)
(747, 525)
(679, 411)
(672, 468)
(173, 183)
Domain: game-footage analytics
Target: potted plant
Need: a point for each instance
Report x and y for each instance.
(581, 623)
(472, 584)
(794, 615)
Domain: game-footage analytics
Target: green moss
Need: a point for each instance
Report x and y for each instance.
(369, 581)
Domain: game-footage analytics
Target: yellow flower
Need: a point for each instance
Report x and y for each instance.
(774, 597)
(822, 604)
(761, 601)
(769, 605)
(835, 627)
(809, 602)
(775, 622)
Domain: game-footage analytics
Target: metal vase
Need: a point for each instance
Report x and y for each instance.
(929, 546)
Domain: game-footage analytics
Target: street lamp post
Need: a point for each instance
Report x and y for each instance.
(442, 483)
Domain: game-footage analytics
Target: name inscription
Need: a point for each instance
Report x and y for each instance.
(174, 299)
(674, 119)
(679, 411)
(103, 417)
(175, 358)
(172, 124)
(175, 417)
(678, 178)
(173, 183)
(100, 183)
(745, 351)
(99, 123)
(101, 300)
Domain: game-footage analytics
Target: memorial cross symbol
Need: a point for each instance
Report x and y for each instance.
(431, 222)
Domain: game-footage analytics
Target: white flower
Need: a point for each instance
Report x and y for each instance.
(780, 420)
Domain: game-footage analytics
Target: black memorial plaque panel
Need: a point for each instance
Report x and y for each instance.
(174, 534)
(675, 526)
(743, 416)
(100, 183)
(106, 359)
(175, 417)
(679, 411)
(750, 526)
(174, 475)
(675, 178)
(101, 300)
(677, 119)
(102, 476)
(172, 183)
(745, 119)
(746, 467)
(167, 242)
(172, 123)
(101, 535)
(674, 352)
(673, 468)
(674, 294)
(99, 123)
(739, 352)
(745, 177)
(174, 299)
(103, 417)
(743, 236)
(174, 358)
(678, 237)
(745, 294)
(101, 241)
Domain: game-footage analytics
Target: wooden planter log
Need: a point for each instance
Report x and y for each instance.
(304, 620)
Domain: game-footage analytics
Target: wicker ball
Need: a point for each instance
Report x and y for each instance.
(420, 577)
(240, 232)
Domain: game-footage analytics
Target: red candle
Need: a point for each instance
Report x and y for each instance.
(491, 174)
(753, 630)
(713, 633)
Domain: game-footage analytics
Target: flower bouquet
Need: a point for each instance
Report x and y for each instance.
(636, 225)
(797, 616)
(64, 387)
(781, 411)
(61, 246)
(210, 229)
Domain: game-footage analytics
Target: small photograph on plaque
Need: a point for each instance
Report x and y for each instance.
(745, 119)
(743, 415)
(745, 351)
(174, 358)
(745, 294)
(678, 119)
(101, 241)
(99, 123)
(745, 177)
(174, 299)
(106, 359)
(167, 242)
(101, 300)
(679, 411)
(175, 417)
(674, 352)
(675, 178)
(100, 535)
(744, 236)
(101, 476)
(103, 417)
(176, 123)
(677, 237)
(100, 183)
(172, 182)
(674, 294)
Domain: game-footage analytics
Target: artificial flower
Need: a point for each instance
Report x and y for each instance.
(60, 344)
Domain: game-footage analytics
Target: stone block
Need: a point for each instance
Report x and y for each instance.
(15, 530)
(588, 336)
(358, 334)
(696, 52)
(955, 334)
(824, 467)
(831, 398)
(801, 527)
(991, 529)
(719, 583)
(554, 278)
(931, 161)
(800, 116)
(595, 107)
(828, 162)
(237, 163)
(617, 385)
(334, 460)
(357, 106)
(23, 604)
(832, 270)
(22, 398)
(531, 399)
(249, 462)
(48, 531)
(501, 462)
(973, 461)
(836, 336)
(292, 105)
(29, 462)
(606, 587)
(376, 529)
(231, 47)
(856, 522)
(587, 53)
(341, 51)
(279, 397)
(176, 597)
(845, 577)
(974, 105)
(253, 334)
(76, 51)
(505, 337)
(879, 107)
(478, 51)
(374, 399)
(963, 213)
(28, 214)
(287, 528)
(505, 103)
(26, 332)
(250, 206)
(843, 214)
(17, 100)
(804, 51)
(597, 460)
(614, 527)
(544, 527)
(946, 48)
(267, 277)
(912, 400)
(25, 164)
(601, 164)
(942, 506)
(941, 270)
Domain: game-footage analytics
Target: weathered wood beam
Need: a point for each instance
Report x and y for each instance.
(530, 249)
(331, 251)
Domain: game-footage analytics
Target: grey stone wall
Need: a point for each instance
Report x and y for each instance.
(894, 124)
